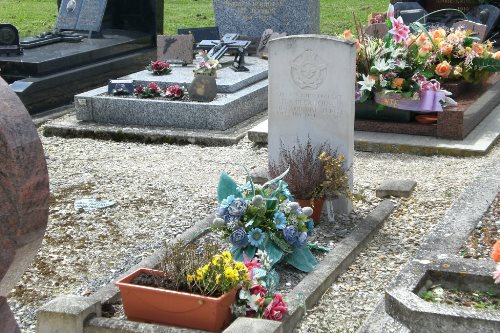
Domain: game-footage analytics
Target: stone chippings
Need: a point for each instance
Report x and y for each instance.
(161, 190)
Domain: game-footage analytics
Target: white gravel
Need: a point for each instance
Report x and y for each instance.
(160, 190)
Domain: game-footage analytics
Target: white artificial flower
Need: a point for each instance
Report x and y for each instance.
(367, 83)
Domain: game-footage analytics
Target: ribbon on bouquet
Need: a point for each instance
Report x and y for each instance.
(428, 101)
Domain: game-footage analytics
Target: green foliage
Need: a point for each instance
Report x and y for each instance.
(488, 65)
(302, 259)
(227, 186)
(428, 296)
(237, 252)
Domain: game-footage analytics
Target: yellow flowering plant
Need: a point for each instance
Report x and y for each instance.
(220, 275)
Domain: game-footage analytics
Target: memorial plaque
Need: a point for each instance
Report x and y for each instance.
(91, 15)
(476, 29)
(69, 12)
(24, 197)
(267, 36)
(250, 18)
(175, 49)
(311, 96)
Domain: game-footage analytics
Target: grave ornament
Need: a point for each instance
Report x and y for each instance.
(229, 42)
(24, 195)
(9, 40)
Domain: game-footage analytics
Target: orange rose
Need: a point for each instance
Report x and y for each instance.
(421, 39)
(348, 34)
(478, 48)
(446, 48)
(453, 38)
(496, 55)
(425, 49)
(438, 35)
(443, 69)
(495, 251)
(397, 83)
(410, 40)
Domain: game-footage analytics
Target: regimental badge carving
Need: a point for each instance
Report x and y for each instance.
(309, 71)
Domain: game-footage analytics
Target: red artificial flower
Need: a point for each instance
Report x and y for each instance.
(174, 91)
(258, 290)
(155, 88)
(276, 309)
(139, 90)
(495, 252)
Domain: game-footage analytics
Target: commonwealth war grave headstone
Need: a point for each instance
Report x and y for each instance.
(250, 18)
(311, 95)
(24, 195)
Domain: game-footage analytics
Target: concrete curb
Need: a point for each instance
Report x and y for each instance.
(72, 128)
(310, 289)
(442, 244)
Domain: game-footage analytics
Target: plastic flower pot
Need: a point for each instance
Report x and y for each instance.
(155, 305)
(317, 205)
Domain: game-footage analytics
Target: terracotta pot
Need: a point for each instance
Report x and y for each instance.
(148, 304)
(316, 204)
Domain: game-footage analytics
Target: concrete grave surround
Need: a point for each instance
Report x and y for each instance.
(24, 194)
(251, 17)
(311, 95)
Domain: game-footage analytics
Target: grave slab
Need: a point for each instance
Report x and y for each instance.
(396, 188)
(24, 195)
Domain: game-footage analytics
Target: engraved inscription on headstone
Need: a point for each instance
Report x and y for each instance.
(176, 48)
(250, 18)
(24, 197)
(311, 95)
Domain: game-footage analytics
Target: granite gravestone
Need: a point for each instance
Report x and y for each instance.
(250, 18)
(175, 49)
(9, 40)
(24, 195)
(311, 95)
(81, 15)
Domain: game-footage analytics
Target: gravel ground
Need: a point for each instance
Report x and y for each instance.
(161, 190)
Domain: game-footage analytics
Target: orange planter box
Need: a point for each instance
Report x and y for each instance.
(155, 305)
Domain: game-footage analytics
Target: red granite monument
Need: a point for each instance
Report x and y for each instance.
(24, 197)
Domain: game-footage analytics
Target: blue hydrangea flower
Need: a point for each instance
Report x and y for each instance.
(280, 220)
(256, 237)
(310, 226)
(290, 234)
(301, 240)
(239, 238)
(221, 212)
(245, 187)
(237, 207)
(226, 202)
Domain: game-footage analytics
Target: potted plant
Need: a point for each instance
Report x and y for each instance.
(264, 217)
(204, 87)
(195, 288)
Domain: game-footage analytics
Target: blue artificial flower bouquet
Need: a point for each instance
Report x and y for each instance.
(265, 217)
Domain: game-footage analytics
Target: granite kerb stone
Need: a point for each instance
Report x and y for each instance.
(225, 111)
(439, 253)
(311, 288)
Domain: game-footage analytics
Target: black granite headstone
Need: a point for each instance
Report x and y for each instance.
(200, 34)
(84, 15)
(9, 40)
(486, 14)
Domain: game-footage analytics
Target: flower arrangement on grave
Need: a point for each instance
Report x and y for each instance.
(159, 67)
(265, 217)
(201, 279)
(153, 90)
(206, 65)
(315, 173)
(495, 255)
(405, 70)
(258, 298)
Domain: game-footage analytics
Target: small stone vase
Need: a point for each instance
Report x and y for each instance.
(203, 88)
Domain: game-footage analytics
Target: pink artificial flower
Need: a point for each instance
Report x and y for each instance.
(399, 30)
(276, 309)
(174, 91)
(390, 12)
(254, 263)
(496, 274)
(154, 87)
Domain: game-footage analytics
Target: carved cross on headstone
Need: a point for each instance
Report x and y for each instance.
(229, 42)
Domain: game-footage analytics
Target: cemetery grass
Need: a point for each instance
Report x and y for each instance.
(34, 16)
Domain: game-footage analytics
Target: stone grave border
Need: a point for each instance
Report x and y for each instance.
(77, 314)
(439, 253)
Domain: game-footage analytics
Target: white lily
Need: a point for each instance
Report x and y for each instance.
(367, 83)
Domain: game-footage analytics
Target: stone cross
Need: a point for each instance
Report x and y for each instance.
(219, 47)
(24, 197)
(311, 96)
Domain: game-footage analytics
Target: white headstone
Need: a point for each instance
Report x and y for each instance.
(311, 94)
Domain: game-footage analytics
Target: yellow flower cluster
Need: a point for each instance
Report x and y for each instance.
(221, 273)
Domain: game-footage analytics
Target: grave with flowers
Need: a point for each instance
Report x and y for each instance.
(423, 80)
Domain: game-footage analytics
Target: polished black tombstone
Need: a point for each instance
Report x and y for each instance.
(9, 40)
(118, 41)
